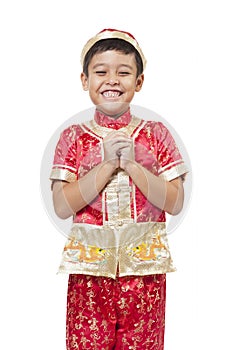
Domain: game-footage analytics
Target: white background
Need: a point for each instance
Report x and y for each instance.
(188, 81)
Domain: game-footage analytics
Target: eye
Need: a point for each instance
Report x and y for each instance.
(123, 73)
(100, 72)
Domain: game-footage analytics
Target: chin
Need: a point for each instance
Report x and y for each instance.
(113, 108)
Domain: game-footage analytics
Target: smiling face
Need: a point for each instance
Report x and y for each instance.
(112, 81)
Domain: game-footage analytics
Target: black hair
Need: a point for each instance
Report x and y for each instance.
(112, 44)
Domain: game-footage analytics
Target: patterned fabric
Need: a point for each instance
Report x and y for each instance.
(80, 149)
(134, 249)
(117, 291)
(126, 313)
(120, 209)
(106, 122)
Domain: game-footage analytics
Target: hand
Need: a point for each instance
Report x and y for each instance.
(115, 145)
(126, 153)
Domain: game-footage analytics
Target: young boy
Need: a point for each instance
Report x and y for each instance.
(116, 175)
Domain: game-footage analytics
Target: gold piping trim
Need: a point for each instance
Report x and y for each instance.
(62, 174)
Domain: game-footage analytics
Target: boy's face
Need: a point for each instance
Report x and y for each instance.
(112, 81)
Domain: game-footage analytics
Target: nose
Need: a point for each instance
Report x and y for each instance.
(112, 80)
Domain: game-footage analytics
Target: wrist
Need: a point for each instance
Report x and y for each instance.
(109, 166)
(130, 166)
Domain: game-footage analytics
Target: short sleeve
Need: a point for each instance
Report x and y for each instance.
(65, 157)
(170, 162)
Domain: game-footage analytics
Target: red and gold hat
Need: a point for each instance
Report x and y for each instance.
(113, 34)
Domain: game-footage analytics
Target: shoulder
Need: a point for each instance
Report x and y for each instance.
(154, 127)
(71, 132)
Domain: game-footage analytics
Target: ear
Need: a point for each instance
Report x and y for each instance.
(139, 82)
(84, 80)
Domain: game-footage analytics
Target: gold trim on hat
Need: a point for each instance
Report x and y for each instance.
(107, 34)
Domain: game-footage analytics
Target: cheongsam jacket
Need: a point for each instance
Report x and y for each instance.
(120, 232)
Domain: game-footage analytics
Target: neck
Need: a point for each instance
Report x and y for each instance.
(107, 111)
(113, 116)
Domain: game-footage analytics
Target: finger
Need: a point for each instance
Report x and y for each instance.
(116, 134)
(126, 143)
(121, 146)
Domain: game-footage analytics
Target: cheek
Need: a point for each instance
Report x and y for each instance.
(95, 84)
(129, 86)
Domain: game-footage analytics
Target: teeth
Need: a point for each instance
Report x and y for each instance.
(111, 93)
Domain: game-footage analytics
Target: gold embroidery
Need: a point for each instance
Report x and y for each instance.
(134, 248)
(96, 308)
(84, 253)
(147, 251)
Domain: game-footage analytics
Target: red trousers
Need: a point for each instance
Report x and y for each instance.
(106, 314)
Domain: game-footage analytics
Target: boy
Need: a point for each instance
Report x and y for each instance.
(117, 175)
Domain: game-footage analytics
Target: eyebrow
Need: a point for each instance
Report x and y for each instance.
(104, 64)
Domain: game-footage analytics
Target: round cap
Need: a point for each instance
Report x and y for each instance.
(113, 34)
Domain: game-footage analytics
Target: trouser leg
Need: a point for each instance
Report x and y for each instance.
(122, 314)
(91, 317)
(141, 313)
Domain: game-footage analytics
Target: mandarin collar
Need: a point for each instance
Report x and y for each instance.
(109, 122)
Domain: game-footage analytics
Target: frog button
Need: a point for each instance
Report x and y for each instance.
(120, 223)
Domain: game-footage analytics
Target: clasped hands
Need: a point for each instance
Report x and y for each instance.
(118, 149)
